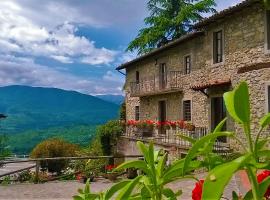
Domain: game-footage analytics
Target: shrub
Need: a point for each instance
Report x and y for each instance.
(108, 134)
(54, 148)
(91, 166)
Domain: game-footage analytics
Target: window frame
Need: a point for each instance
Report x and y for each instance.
(187, 69)
(137, 113)
(137, 77)
(218, 57)
(184, 110)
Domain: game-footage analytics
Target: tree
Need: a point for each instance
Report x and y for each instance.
(54, 148)
(168, 20)
(267, 4)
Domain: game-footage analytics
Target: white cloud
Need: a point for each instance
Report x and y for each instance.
(20, 34)
(63, 59)
(24, 71)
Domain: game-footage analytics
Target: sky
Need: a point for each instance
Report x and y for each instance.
(70, 44)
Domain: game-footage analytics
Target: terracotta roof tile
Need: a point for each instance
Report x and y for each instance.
(211, 83)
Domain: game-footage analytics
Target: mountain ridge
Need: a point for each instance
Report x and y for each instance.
(38, 108)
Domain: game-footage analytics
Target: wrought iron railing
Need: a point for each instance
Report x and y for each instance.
(157, 84)
(171, 138)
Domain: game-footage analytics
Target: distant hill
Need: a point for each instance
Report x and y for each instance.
(36, 108)
(117, 99)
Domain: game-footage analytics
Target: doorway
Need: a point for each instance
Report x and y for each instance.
(218, 113)
(162, 109)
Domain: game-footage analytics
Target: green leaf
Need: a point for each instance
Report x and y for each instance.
(127, 190)
(87, 187)
(219, 177)
(209, 146)
(265, 121)
(115, 188)
(235, 196)
(263, 186)
(167, 192)
(161, 165)
(192, 153)
(237, 103)
(139, 164)
(77, 198)
(144, 150)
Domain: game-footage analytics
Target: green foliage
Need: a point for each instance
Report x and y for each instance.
(151, 185)
(108, 133)
(24, 176)
(23, 143)
(54, 148)
(94, 166)
(267, 4)
(123, 112)
(169, 20)
(4, 149)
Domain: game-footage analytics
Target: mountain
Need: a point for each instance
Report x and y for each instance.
(116, 99)
(36, 108)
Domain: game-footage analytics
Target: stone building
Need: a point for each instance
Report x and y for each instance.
(186, 78)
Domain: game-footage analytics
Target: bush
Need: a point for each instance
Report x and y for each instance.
(108, 134)
(91, 166)
(54, 148)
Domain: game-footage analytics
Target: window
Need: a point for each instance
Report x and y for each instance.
(187, 64)
(137, 113)
(268, 29)
(137, 77)
(218, 47)
(187, 110)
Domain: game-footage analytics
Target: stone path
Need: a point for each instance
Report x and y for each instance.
(15, 166)
(65, 190)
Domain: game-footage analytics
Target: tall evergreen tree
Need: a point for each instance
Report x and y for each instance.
(168, 20)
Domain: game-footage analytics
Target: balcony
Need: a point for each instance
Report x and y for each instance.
(157, 84)
(170, 138)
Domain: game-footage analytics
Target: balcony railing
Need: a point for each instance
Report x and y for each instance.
(171, 138)
(157, 84)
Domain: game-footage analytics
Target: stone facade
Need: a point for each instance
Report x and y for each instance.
(244, 44)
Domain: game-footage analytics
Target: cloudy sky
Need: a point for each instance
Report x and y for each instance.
(68, 44)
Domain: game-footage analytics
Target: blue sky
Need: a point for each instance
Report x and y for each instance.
(67, 44)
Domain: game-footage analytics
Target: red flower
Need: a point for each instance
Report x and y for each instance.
(261, 177)
(197, 191)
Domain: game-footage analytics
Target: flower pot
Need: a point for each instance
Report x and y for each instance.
(131, 173)
(112, 176)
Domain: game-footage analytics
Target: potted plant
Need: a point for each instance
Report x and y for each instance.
(111, 175)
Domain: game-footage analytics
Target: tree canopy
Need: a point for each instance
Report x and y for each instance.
(168, 20)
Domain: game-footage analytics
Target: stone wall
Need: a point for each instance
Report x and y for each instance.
(244, 44)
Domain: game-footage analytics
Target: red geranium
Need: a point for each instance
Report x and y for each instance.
(110, 168)
(261, 177)
(197, 191)
(132, 122)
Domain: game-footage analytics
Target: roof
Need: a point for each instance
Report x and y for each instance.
(210, 84)
(254, 66)
(158, 50)
(229, 11)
